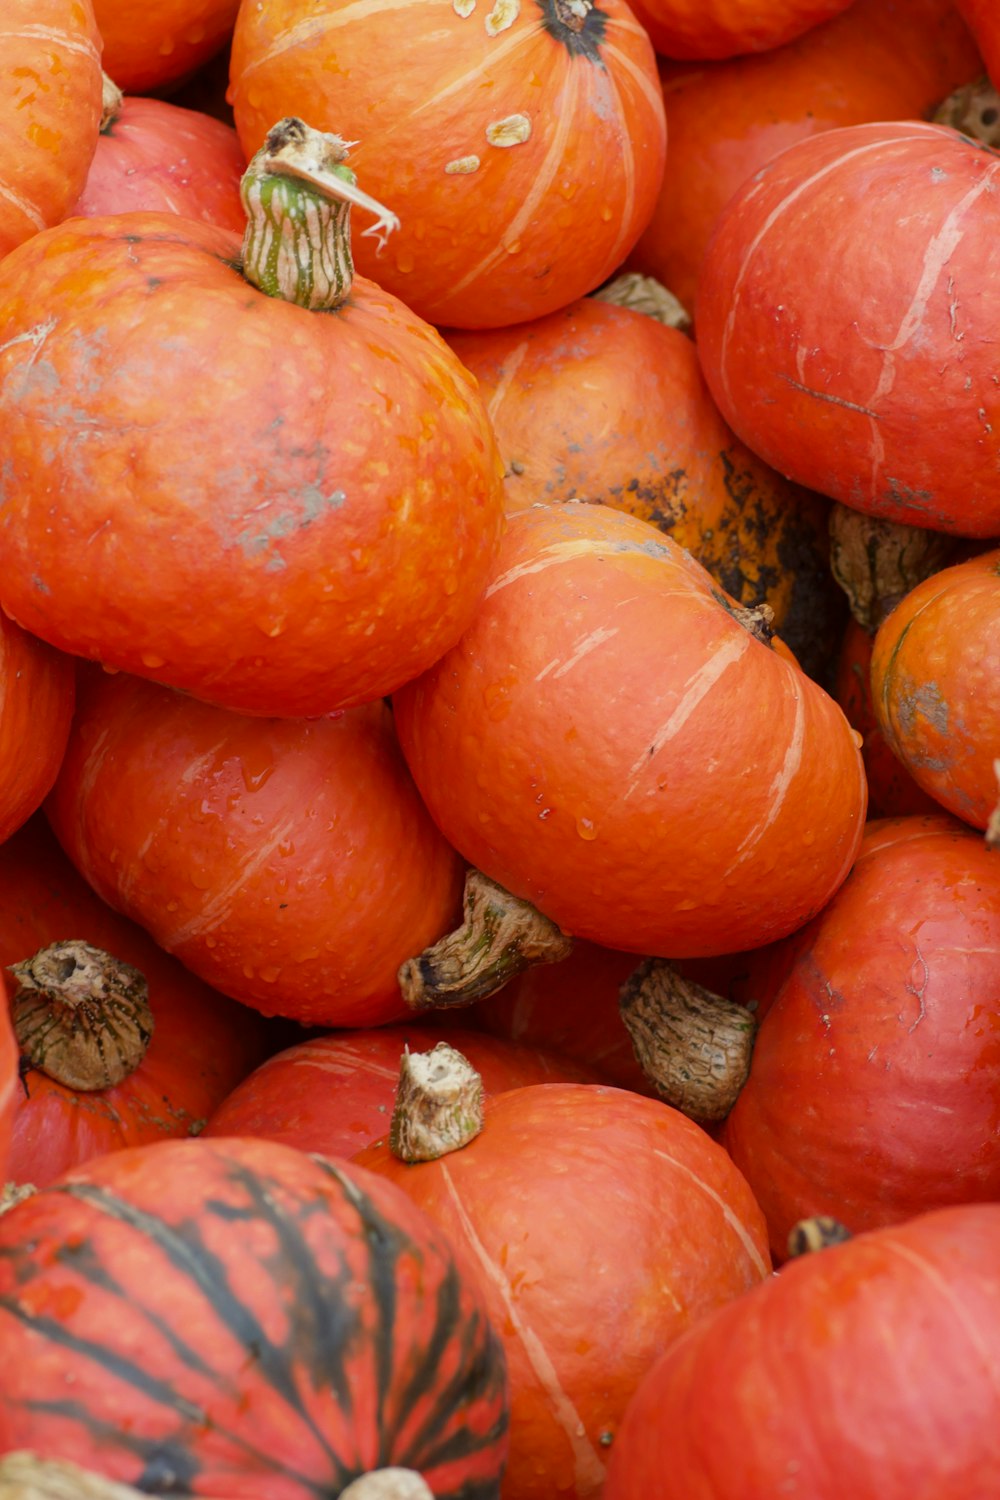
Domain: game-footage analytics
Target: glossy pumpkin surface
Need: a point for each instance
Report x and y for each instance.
(674, 786)
(149, 44)
(866, 1370)
(874, 1090)
(520, 145)
(234, 1317)
(876, 60)
(279, 510)
(723, 28)
(37, 693)
(203, 1044)
(935, 679)
(288, 862)
(597, 402)
(600, 1225)
(50, 111)
(861, 363)
(154, 155)
(335, 1093)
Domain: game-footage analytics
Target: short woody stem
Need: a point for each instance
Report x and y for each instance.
(388, 1484)
(644, 294)
(26, 1476)
(499, 938)
(298, 195)
(80, 1015)
(112, 100)
(877, 562)
(974, 109)
(439, 1104)
(993, 826)
(820, 1232)
(693, 1045)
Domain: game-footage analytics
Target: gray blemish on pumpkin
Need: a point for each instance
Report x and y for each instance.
(267, 529)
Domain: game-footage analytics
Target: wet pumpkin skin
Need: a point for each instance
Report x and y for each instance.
(598, 402)
(151, 44)
(935, 681)
(705, 29)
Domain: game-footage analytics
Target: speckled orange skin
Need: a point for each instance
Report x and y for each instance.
(705, 29)
(50, 111)
(874, 1091)
(281, 511)
(983, 19)
(149, 44)
(935, 679)
(600, 1226)
(288, 862)
(846, 318)
(866, 1370)
(610, 742)
(203, 1043)
(597, 402)
(417, 86)
(877, 60)
(37, 692)
(156, 155)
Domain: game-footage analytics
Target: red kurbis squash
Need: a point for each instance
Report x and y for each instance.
(673, 785)
(874, 1090)
(235, 1317)
(37, 693)
(846, 315)
(521, 145)
(866, 1370)
(50, 111)
(600, 1226)
(723, 28)
(289, 862)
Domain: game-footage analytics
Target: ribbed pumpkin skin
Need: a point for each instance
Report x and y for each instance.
(845, 321)
(874, 1091)
(335, 1094)
(151, 43)
(610, 742)
(281, 511)
(37, 693)
(203, 1043)
(597, 402)
(877, 60)
(50, 111)
(159, 157)
(234, 1317)
(935, 679)
(290, 863)
(866, 1370)
(600, 1225)
(420, 88)
(723, 28)
(984, 22)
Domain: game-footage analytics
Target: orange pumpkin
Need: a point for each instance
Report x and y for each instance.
(521, 145)
(610, 741)
(723, 28)
(37, 692)
(149, 44)
(50, 111)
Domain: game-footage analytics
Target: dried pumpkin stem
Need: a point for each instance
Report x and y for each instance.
(974, 109)
(25, 1476)
(298, 193)
(877, 562)
(644, 294)
(819, 1232)
(112, 100)
(13, 1193)
(80, 1015)
(439, 1104)
(993, 826)
(693, 1045)
(499, 938)
(389, 1484)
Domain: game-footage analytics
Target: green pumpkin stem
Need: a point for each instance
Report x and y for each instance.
(501, 935)
(439, 1104)
(298, 195)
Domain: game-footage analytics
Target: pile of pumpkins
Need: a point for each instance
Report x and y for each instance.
(500, 749)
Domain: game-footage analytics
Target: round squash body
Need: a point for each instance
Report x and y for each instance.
(288, 862)
(611, 742)
(234, 1317)
(868, 1370)
(874, 1091)
(601, 1225)
(845, 321)
(37, 693)
(597, 402)
(279, 510)
(50, 112)
(982, 18)
(335, 1093)
(892, 791)
(724, 28)
(521, 144)
(203, 1043)
(876, 60)
(154, 155)
(935, 679)
(149, 44)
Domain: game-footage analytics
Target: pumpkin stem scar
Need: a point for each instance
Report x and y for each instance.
(439, 1106)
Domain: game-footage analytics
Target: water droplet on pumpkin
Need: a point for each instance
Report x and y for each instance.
(151, 661)
(270, 975)
(857, 738)
(586, 829)
(254, 777)
(607, 214)
(405, 262)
